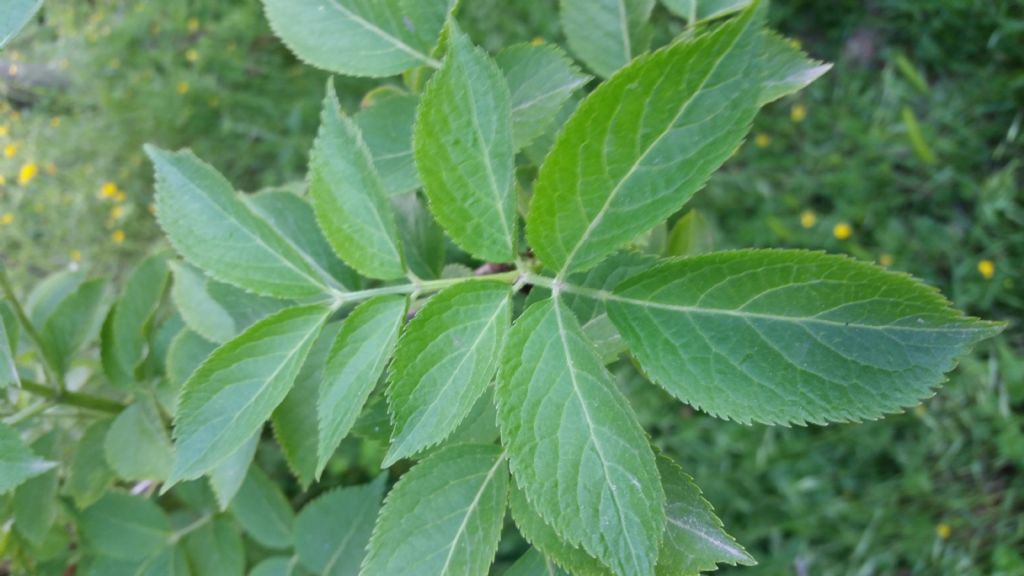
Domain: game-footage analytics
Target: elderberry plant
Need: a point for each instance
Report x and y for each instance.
(462, 267)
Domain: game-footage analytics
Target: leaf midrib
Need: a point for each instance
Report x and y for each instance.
(469, 511)
(383, 35)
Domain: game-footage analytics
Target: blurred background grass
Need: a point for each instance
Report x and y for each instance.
(908, 153)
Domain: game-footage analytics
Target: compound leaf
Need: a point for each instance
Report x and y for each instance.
(349, 198)
(574, 445)
(444, 516)
(464, 151)
(787, 336)
(218, 232)
(229, 397)
(607, 34)
(445, 359)
(641, 144)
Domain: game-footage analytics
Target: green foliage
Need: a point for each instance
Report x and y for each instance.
(13, 17)
(435, 295)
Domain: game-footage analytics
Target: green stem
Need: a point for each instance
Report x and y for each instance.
(421, 287)
(557, 286)
(77, 399)
(51, 371)
(28, 412)
(202, 521)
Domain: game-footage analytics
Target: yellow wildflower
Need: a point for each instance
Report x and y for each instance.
(797, 113)
(943, 531)
(10, 150)
(7, 218)
(76, 255)
(4, 130)
(987, 269)
(117, 212)
(808, 218)
(3, 180)
(192, 55)
(27, 173)
(842, 231)
(885, 260)
(193, 25)
(762, 140)
(182, 87)
(537, 41)
(117, 236)
(108, 190)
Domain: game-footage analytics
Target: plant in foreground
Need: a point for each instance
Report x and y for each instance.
(298, 311)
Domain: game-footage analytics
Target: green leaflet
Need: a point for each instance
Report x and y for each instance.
(386, 124)
(543, 538)
(697, 10)
(422, 238)
(691, 235)
(229, 397)
(295, 427)
(541, 79)
(356, 362)
(48, 294)
(137, 446)
(124, 527)
(35, 501)
(695, 540)
(216, 549)
(331, 532)
(785, 69)
(607, 34)
(18, 462)
(74, 322)
(187, 351)
(14, 15)
(443, 517)
(263, 512)
(641, 144)
(215, 230)
(786, 336)
(171, 561)
(349, 198)
(574, 445)
(360, 37)
(464, 151)
(533, 563)
(226, 479)
(201, 312)
(126, 329)
(445, 359)
(8, 370)
(90, 476)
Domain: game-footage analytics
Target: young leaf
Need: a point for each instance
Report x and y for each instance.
(360, 37)
(538, 533)
(201, 312)
(215, 230)
(8, 370)
(226, 479)
(786, 336)
(14, 15)
(697, 10)
(18, 462)
(216, 549)
(574, 445)
(641, 144)
(349, 198)
(785, 68)
(90, 476)
(386, 125)
(541, 79)
(231, 395)
(607, 34)
(445, 359)
(695, 540)
(294, 426)
(444, 516)
(464, 151)
(263, 512)
(533, 563)
(124, 527)
(331, 532)
(356, 362)
(35, 501)
(137, 446)
(125, 331)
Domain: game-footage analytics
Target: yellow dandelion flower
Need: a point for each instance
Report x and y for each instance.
(808, 218)
(117, 236)
(7, 218)
(943, 531)
(987, 269)
(76, 255)
(10, 150)
(192, 55)
(842, 231)
(885, 260)
(797, 113)
(762, 140)
(108, 190)
(4, 130)
(182, 87)
(3, 180)
(193, 25)
(117, 212)
(537, 41)
(27, 173)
